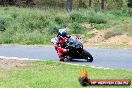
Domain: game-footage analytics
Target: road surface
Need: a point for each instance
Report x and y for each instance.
(107, 58)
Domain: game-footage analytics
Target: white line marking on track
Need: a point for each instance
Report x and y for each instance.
(17, 58)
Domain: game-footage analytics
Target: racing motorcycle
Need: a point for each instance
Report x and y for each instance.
(76, 50)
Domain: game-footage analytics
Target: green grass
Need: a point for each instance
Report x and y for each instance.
(49, 74)
(38, 26)
(89, 35)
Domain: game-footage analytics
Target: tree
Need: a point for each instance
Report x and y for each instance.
(2, 2)
(129, 3)
(12, 2)
(130, 6)
(69, 5)
(80, 3)
(102, 4)
(119, 4)
(29, 2)
(90, 3)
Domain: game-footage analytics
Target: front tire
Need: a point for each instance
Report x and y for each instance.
(88, 56)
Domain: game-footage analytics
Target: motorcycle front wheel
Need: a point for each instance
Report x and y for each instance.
(88, 56)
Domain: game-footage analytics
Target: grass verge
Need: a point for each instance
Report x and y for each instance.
(49, 74)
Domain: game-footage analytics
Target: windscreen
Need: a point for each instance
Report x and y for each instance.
(74, 42)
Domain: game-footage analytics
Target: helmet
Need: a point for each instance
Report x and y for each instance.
(62, 32)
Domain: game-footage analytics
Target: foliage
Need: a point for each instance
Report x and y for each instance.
(89, 35)
(91, 17)
(38, 26)
(77, 29)
(2, 24)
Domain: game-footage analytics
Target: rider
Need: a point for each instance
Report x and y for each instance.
(60, 47)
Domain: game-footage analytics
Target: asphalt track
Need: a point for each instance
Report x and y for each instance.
(107, 58)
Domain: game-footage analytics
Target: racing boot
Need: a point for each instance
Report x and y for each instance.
(62, 58)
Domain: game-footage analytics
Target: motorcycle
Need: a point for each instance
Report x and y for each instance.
(76, 50)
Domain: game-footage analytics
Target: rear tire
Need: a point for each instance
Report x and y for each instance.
(67, 59)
